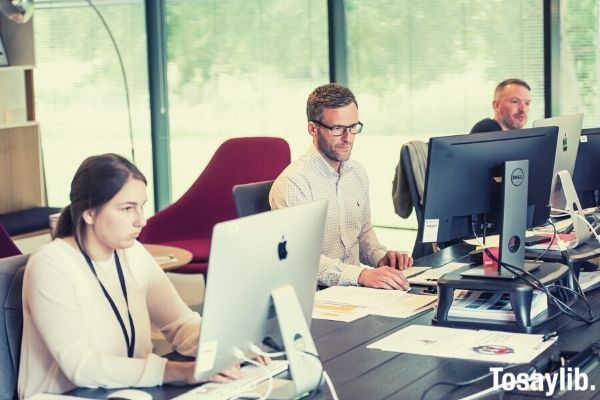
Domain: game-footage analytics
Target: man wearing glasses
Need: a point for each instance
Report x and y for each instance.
(326, 172)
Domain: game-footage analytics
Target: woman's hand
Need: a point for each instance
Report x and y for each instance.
(182, 372)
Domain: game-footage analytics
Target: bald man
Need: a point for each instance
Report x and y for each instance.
(511, 107)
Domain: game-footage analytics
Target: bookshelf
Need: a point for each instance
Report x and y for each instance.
(21, 178)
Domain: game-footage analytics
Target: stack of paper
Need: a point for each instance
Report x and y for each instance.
(589, 280)
(341, 303)
(482, 305)
(481, 345)
(335, 311)
(561, 242)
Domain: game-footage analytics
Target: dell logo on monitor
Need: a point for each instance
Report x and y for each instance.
(281, 249)
(517, 177)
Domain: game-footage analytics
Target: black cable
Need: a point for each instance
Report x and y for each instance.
(562, 307)
(554, 234)
(580, 294)
(123, 73)
(460, 385)
(537, 284)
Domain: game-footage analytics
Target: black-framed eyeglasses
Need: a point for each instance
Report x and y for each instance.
(338, 130)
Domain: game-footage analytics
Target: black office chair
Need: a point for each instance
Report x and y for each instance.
(252, 198)
(11, 323)
(420, 249)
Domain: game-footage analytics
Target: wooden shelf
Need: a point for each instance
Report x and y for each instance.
(20, 169)
(21, 177)
(17, 68)
(18, 125)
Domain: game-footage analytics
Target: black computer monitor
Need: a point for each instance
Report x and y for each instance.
(463, 180)
(586, 175)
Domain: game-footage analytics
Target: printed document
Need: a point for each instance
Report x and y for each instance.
(389, 303)
(335, 311)
(466, 344)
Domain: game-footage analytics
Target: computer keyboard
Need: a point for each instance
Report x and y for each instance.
(252, 376)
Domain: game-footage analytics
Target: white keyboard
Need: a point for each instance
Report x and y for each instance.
(252, 376)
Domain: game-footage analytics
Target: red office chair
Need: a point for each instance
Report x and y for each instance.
(188, 222)
(7, 246)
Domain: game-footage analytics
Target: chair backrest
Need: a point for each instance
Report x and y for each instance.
(7, 246)
(209, 201)
(11, 323)
(420, 249)
(252, 198)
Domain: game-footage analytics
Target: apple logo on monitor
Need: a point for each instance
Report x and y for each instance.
(281, 249)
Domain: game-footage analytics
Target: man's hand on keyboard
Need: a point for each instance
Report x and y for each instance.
(396, 259)
(383, 278)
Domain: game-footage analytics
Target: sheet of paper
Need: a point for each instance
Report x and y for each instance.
(560, 243)
(481, 345)
(430, 230)
(338, 311)
(391, 303)
(490, 241)
(412, 271)
(431, 276)
(47, 396)
(589, 280)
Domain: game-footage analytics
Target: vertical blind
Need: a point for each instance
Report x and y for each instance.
(79, 90)
(579, 63)
(240, 68)
(429, 68)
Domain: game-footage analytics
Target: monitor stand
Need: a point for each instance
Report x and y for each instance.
(571, 200)
(520, 292)
(305, 370)
(513, 222)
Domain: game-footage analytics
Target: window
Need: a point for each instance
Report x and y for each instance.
(240, 68)
(80, 96)
(422, 69)
(579, 63)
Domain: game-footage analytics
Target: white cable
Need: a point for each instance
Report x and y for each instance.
(582, 217)
(330, 385)
(260, 352)
(241, 356)
(251, 395)
(558, 213)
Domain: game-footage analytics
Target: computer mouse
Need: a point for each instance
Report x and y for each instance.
(130, 394)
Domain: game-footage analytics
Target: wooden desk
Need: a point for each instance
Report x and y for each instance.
(169, 257)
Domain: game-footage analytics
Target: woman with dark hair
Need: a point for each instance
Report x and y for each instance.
(91, 295)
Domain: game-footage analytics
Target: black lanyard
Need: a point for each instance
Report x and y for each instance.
(130, 343)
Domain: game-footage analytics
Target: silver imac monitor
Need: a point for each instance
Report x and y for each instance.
(261, 283)
(569, 132)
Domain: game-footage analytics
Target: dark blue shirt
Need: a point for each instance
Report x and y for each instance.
(486, 125)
